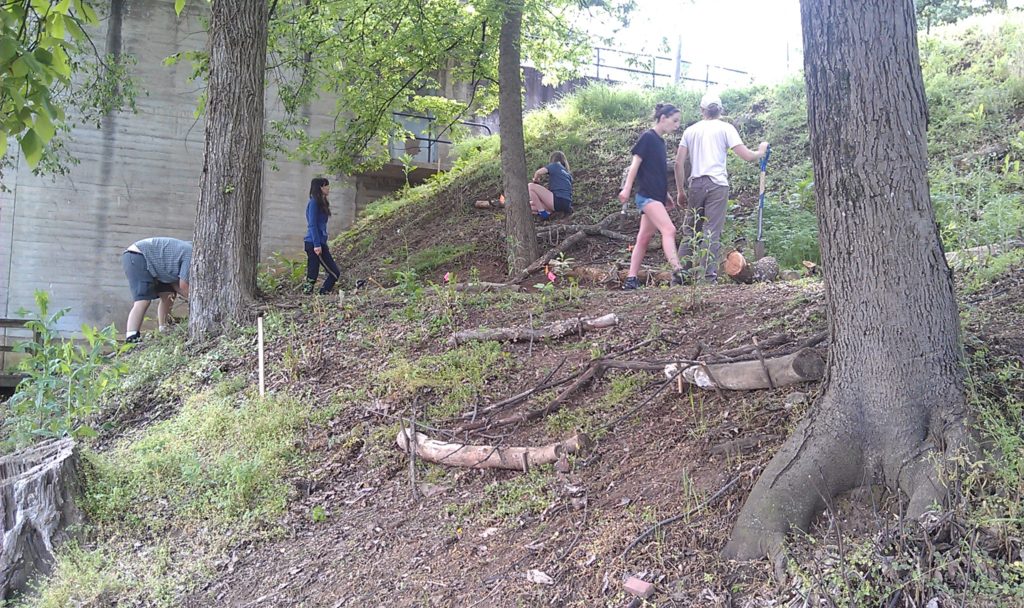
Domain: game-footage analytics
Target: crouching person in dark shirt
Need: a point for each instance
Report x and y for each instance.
(157, 269)
(557, 198)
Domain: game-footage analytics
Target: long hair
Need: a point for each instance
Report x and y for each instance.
(317, 194)
(664, 109)
(559, 157)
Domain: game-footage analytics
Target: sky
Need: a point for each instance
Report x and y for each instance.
(749, 35)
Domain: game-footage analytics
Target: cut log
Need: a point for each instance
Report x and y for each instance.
(741, 271)
(805, 365)
(555, 330)
(38, 488)
(490, 457)
(737, 268)
(766, 269)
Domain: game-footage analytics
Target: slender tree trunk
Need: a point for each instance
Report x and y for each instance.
(893, 401)
(227, 237)
(519, 230)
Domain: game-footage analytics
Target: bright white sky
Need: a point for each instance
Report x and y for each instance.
(748, 35)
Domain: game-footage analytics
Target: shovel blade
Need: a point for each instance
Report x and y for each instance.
(758, 249)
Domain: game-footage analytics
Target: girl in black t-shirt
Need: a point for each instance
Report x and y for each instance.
(649, 172)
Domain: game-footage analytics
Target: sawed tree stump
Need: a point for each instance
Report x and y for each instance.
(38, 487)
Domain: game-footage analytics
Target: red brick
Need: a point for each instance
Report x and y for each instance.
(638, 587)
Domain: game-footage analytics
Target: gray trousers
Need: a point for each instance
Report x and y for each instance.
(706, 203)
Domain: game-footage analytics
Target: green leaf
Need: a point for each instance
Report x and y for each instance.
(44, 127)
(8, 49)
(3, 146)
(43, 56)
(20, 67)
(31, 147)
(179, 5)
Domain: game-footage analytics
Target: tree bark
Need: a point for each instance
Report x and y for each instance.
(38, 489)
(227, 238)
(893, 400)
(519, 230)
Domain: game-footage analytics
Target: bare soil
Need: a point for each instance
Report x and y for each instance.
(356, 534)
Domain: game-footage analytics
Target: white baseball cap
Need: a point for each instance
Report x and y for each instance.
(710, 99)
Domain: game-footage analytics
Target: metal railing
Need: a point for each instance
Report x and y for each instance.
(643, 68)
(423, 129)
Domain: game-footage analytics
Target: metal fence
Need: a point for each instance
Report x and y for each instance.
(424, 147)
(614, 65)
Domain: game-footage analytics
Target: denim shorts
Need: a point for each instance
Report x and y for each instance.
(642, 200)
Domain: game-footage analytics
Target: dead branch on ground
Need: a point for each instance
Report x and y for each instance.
(483, 286)
(556, 330)
(599, 228)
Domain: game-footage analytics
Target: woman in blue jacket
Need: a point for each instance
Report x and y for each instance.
(318, 210)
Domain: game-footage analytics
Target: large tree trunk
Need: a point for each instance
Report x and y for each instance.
(519, 230)
(893, 401)
(227, 237)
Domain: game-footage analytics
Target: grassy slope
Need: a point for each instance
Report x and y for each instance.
(194, 469)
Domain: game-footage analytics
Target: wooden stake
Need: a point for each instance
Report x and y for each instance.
(259, 333)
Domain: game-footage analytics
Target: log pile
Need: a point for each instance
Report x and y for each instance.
(38, 487)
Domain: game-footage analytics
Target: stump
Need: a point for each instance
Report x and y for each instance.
(38, 487)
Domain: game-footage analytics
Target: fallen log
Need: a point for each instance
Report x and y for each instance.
(555, 330)
(38, 488)
(742, 271)
(487, 456)
(805, 365)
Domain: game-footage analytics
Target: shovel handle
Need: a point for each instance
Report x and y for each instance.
(764, 159)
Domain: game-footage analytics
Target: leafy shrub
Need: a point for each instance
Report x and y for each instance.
(64, 379)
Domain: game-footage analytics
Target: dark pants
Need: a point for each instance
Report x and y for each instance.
(706, 203)
(313, 262)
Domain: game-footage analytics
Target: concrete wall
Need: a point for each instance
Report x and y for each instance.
(138, 177)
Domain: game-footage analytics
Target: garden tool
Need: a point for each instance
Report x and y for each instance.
(328, 268)
(759, 243)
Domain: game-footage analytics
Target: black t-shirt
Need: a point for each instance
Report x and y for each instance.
(652, 177)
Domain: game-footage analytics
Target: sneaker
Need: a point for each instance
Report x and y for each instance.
(307, 287)
(679, 277)
(132, 339)
(630, 284)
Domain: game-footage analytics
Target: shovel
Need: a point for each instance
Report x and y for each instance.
(759, 243)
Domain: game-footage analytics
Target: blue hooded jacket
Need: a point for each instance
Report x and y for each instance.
(316, 222)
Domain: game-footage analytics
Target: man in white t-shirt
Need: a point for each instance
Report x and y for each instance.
(706, 143)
